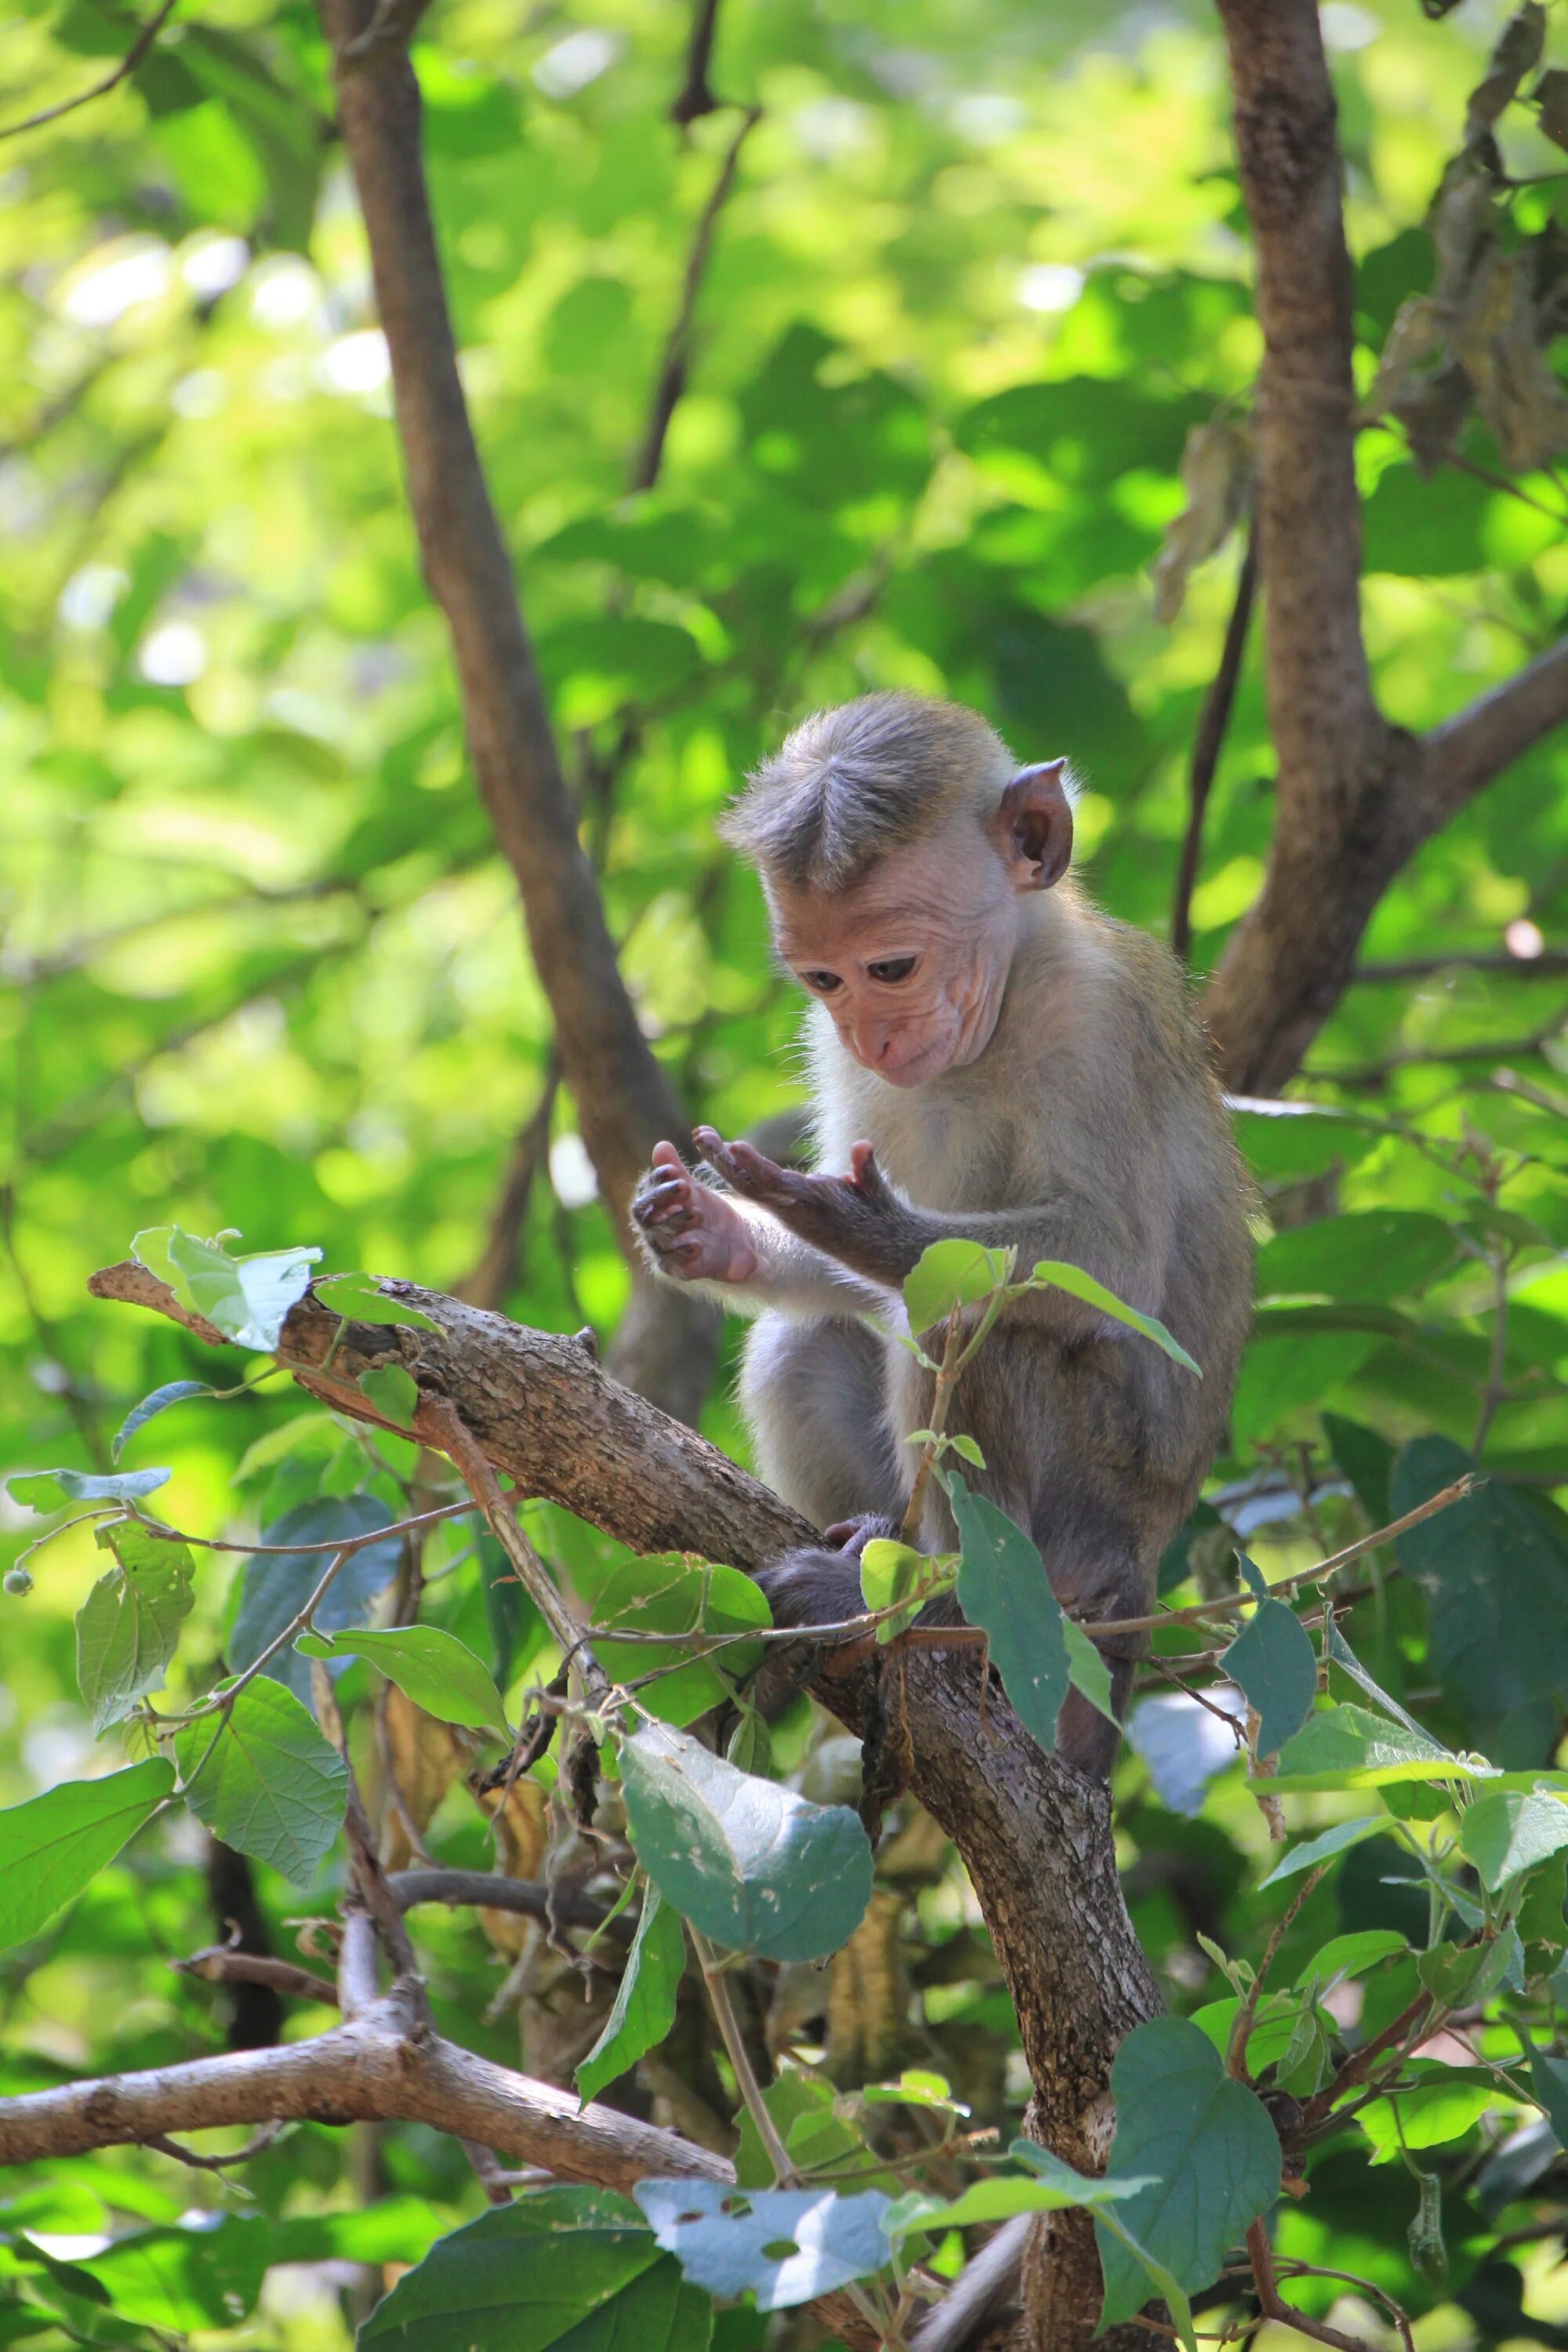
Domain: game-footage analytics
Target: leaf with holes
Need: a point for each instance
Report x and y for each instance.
(785, 2245)
(750, 1863)
(128, 1628)
(54, 1845)
(270, 1785)
(644, 2008)
(1209, 2147)
(557, 2270)
(429, 1665)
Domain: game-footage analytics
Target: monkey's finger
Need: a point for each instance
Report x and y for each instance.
(665, 1155)
(662, 1203)
(744, 1165)
(864, 1172)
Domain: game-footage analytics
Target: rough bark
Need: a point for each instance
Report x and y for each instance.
(1033, 1834)
(1355, 797)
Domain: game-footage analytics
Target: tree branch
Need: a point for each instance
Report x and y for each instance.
(1033, 1834)
(1212, 721)
(376, 2068)
(624, 1102)
(121, 72)
(1463, 755)
(670, 381)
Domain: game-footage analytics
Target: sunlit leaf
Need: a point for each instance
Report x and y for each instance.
(429, 1665)
(128, 1628)
(264, 1779)
(54, 1845)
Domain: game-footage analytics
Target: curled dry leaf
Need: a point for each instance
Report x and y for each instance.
(1216, 473)
(423, 1757)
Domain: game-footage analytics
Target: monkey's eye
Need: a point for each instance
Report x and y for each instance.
(822, 983)
(892, 968)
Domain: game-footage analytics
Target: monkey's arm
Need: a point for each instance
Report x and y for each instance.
(860, 1224)
(737, 1252)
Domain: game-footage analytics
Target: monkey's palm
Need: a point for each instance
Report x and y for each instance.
(856, 1219)
(694, 1232)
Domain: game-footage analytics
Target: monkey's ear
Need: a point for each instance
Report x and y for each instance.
(1033, 827)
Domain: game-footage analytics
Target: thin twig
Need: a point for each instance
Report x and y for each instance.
(670, 381)
(1214, 719)
(221, 1964)
(695, 97)
(1261, 2255)
(1495, 1388)
(746, 2081)
(127, 66)
(168, 2147)
(1246, 2015)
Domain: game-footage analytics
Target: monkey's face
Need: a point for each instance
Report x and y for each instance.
(912, 959)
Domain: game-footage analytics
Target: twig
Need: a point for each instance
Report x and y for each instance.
(168, 2147)
(1551, 965)
(670, 381)
(1359, 2063)
(1396, 2311)
(345, 1545)
(1246, 2015)
(695, 97)
(1285, 1584)
(121, 72)
(495, 1269)
(463, 1450)
(1495, 1388)
(487, 1891)
(1214, 719)
(223, 1701)
(221, 1964)
(746, 2081)
(1261, 2256)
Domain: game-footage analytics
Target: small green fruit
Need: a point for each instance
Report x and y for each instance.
(17, 1581)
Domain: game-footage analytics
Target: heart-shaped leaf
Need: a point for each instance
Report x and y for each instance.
(1273, 1661)
(267, 1782)
(1504, 1832)
(951, 1274)
(128, 1628)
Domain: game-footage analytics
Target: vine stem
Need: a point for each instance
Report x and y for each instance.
(956, 1354)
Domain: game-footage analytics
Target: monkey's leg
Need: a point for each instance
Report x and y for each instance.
(813, 1397)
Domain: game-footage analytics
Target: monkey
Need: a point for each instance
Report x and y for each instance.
(989, 1057)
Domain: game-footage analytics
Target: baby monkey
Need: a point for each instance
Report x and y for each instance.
(989, 1057)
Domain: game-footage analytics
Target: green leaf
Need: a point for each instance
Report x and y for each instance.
(1056, 1272)
(676, 1592)
(51, 1490)
(172, 1392)
(1348, 1956)
(1087, 1670)
(573, 2269)
(1345, 1658)
(1002, 1588)
(1548, 2088)
(430, 1667)
(274, 1587)
(1273, 1661)
(952, 1274)
(1346, 1748)
(785, 2245)
(1324, 1846)
(53, 1845)
(1047, 2187)
(644, 2008)
(248, 1299)
(1503, 1832)
(1373, 1253)
(1367, 1460)
(750, 1863)
(1431, 2116)
(892, 1572)
(392, 1389)
(805, 2113)
(128, 1628)
(1209, 2148)
(271, 1785)
(360, 1298)
(1495, 1571)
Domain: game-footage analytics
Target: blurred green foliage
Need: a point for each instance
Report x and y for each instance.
(981, 274)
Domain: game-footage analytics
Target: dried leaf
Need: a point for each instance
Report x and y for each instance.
(518, 1821)
(1216, 475)
(1496, 342)
(423, 1758)
(1518, 51)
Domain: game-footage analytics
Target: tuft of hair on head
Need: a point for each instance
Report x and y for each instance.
(851, 784)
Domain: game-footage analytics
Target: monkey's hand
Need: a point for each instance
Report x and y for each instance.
(691, 1231)
(822, 1587)
(856, 1219)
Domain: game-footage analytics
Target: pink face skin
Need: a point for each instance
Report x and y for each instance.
(911, 963)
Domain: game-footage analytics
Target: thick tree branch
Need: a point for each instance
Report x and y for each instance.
(624, 1100)
(1033, 1834)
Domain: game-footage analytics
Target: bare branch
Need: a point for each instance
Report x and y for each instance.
(568, 1906)
(694, 96)
(1212, 721)
(121, 72)
(624, 1101)
(670, 381)
(1466, 752)
(496, 1268)
(221, 1964)
(377, 2067)
(1551, 965)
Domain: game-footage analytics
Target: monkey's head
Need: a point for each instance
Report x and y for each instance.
(900, 846)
